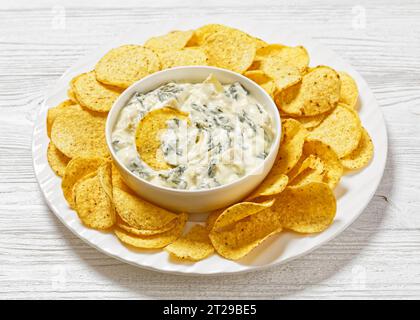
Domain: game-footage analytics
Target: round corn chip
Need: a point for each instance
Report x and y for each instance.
(309, 122)
(70, 94)
(238, 240)
(269, 87)
(310, 170)
(156, 241)
(332, 166)
(202, 33)
(360, 156)
(259, 43)
(308, 208)
(276, 57)
(273, 184)
(76, 169)
(193, 246)
(293, 137)
(93, 204)
(183, 57)
(57, 160)
(147, 135)
(284, 77)
(240, 211)
(135, 211)
(211, 218)
(54, 112)
(123, 66)
(231, 49)
(92, 94)
(80, 133)
(171, 41)
(349, 92)
(258, 76)
(341, 130)
(318, 92)
(146, 232)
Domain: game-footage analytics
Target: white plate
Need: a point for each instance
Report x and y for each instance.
(353, 193)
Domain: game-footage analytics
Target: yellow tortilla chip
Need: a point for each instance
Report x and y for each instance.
(230, 49)
(212, 217)
(259, 43)
(349, 92)
(71, 95)
(309, 122)
(145, 232)
(269, 87)
(332, 166)
(135, 211)
(273, 184)
(76, 169)
(147, 135)
(156, 241)
(93, 204)
(239, 239)
(293, 137)
(57, 160)
(123, 66)
(92, 94)
(341, 130)
(202, 33)
(310, 170)
(183, 57)
(215, 82)
(54, 112)
(361, 156)
(284, 77)
(171, 41)
(240, 211)
(277, 56)
(318, 92)
(80, 133)
(258, 76)
(308, 208)
(193, 246)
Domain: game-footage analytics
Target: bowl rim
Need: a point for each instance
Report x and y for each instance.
(241, 79)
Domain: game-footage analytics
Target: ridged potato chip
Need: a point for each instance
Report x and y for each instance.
(361, 156)
(349, 92)
(171, 41)
(230, 49)
(240, 211)
(92, 94)
(318, 92)
(155, 241)
(57, 160)
(240, 238)
(123, 66)
(341, 130)
(80, 133)
(311, 169)
(332, 166)
(273, 184)
(309, 208)
(293, 137)
(92, 200)
(184, 57)
(193, 246)
(52, 113)
(76, 169)
(147, 135)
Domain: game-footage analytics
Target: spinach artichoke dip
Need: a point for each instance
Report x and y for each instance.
(225, 136)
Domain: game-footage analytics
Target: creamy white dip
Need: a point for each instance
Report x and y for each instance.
(228, 135)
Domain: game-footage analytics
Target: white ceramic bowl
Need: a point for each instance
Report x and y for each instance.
(195, 200)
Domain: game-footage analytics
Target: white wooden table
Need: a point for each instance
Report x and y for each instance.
(377, 257)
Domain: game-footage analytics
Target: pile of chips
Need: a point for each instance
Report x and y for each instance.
(322, 139)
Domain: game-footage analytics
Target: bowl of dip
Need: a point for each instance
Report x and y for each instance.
(215, 155)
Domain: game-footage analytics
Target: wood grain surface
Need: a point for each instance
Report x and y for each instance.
(377, 257)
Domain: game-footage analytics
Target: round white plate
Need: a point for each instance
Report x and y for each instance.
(353, 193)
